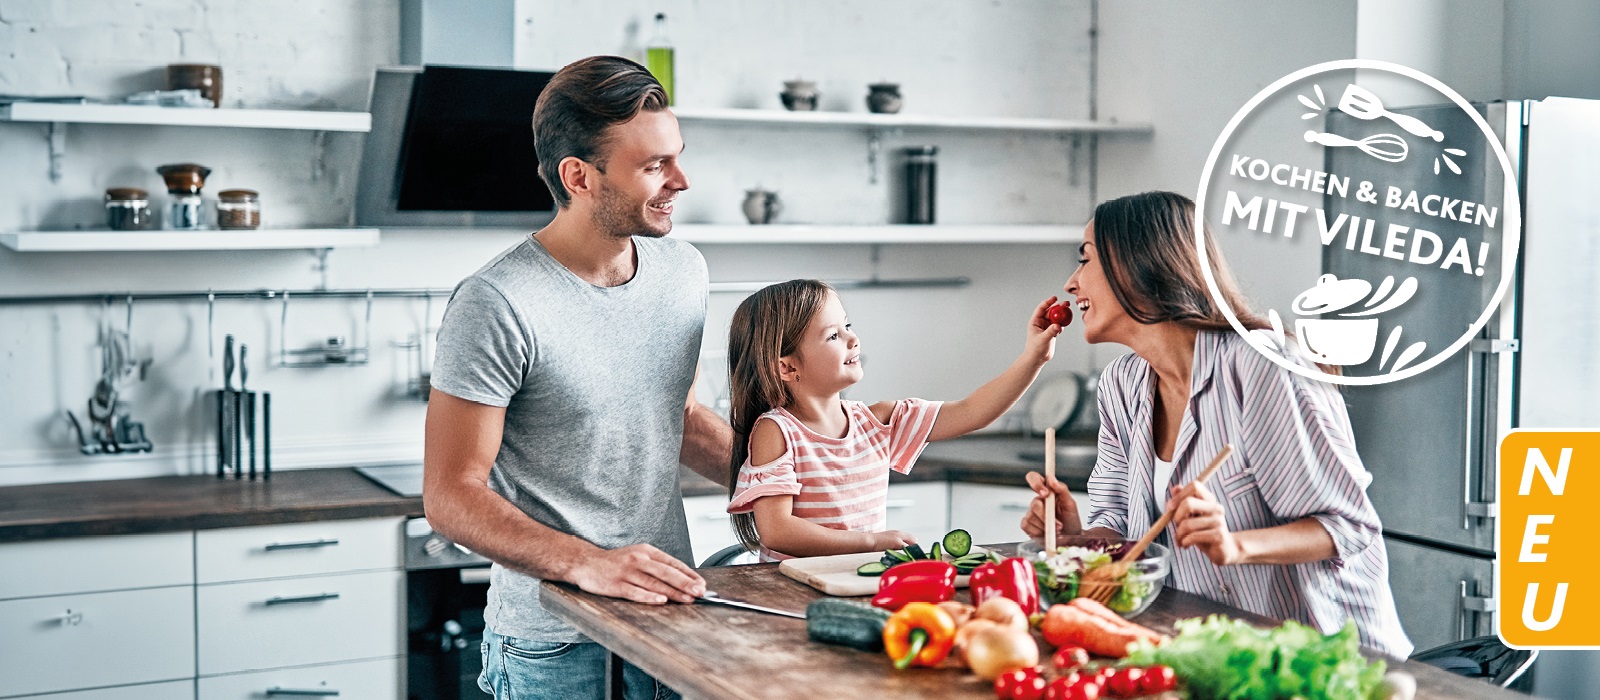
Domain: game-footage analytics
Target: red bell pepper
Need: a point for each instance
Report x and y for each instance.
(924, 581)
(1011, 578)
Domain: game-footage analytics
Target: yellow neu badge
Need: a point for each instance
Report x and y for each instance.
(1549, 574)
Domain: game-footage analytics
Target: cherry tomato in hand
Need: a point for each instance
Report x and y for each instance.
(1125, 682)
(1070, 658)
(1021, 684)
(1059, 314)
(1158, 679)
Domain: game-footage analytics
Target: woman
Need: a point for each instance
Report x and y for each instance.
(1284, 528)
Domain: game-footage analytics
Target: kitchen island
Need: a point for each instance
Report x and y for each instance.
(707, 651)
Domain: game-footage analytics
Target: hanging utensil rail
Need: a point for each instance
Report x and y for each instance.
(417, 292)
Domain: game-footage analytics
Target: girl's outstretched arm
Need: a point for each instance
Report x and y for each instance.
(958, 418)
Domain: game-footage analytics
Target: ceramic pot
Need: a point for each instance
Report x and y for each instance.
(799, 95)
(761, 206)
(884, 98)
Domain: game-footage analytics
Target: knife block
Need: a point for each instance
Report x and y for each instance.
(239, 413)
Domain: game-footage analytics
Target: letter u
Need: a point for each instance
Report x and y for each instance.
(1548, 623)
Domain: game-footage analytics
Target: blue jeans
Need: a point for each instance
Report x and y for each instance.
(519, 669)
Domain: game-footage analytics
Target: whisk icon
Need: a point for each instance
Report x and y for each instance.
(1385, 147)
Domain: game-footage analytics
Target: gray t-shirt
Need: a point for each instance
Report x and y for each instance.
(593, 380)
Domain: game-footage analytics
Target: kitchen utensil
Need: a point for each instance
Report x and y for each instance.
(836, 574)
(249, 408)
(884, 98)
(266, 436)
(1050, 500)
(225, 397)
(1331, 294)
(1057, 402)
(204, 77)
(1102, 584)
(711, 598)
(1386, 147)
(1361, 103)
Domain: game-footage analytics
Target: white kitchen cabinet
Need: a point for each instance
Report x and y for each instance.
(297, 549)
(89, 564)
(93, 640)
(922, 509)
(307, 620)
(171, 690)
(993, 514)
(379, 678)
(710, 526)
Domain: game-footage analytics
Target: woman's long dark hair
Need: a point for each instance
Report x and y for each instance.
(1145, 243)
(767, 326)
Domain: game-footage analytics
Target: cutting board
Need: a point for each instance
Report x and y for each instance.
(836, 575)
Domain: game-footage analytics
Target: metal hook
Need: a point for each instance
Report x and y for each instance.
(283, 331)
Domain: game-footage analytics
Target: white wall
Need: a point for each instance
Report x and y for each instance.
(953, 57)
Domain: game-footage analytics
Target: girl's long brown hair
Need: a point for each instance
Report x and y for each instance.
(1145, 244)
(768, 325)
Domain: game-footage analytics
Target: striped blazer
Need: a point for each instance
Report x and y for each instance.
(1294, 458)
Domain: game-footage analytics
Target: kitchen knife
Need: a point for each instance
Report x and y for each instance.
(249, 408)
(266, 436)
(711, 598)
(226, 442)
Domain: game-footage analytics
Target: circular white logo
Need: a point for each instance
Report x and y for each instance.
(1414, 211)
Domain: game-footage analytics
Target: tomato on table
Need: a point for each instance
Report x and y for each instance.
(1158, 679)
(1070, 658)
(1021, 684)
(1125, 683)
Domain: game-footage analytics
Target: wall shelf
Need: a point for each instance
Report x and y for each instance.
(258, 239)
(909, 121)
(173, 116)
(58, 116)
(874, 235)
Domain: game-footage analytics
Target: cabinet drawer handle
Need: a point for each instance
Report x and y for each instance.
(309, 544)
(901, 503)
(303, 692)
(1013, 506)
(286, 600)
(69, 618)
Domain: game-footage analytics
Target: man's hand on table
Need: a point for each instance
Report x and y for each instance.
(640, 573)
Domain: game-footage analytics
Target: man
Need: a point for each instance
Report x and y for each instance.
(558, 415)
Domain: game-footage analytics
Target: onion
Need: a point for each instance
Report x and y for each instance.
(995, 650)
(1004, 612)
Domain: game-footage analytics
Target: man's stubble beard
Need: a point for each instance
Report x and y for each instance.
(617, 218)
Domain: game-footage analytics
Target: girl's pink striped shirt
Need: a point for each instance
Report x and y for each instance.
(839, 483)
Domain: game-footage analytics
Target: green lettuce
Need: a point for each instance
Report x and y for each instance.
(1227, 659)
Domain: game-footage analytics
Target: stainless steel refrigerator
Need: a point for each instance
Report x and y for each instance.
(1430, 441)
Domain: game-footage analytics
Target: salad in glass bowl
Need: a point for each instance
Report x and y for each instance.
(1059, 572)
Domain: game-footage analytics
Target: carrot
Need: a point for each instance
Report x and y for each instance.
(1093, 607)
(1067, 625)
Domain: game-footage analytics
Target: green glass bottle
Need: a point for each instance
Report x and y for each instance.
(658, 56)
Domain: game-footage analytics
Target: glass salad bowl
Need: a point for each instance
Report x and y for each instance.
(1075, 555)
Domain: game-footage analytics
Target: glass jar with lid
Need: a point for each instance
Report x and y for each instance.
(238, 209)
(128, 209)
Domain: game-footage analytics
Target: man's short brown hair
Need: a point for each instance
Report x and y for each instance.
(579, 104)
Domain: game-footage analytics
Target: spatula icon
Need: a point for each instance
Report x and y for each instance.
(1360, 103)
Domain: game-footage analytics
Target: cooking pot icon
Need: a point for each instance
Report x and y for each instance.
(1350, 338)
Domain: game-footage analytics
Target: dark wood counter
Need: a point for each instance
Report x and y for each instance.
(173, 503)
(706, 651)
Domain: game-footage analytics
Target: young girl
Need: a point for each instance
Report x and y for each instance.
(810, 471)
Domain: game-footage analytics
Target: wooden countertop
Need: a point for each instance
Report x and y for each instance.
(172, 503)
(707, 651)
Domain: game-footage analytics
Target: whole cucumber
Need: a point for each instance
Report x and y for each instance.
(846, 623)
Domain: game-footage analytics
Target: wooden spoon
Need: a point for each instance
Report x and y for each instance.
(1103, 583)
(1050, 500)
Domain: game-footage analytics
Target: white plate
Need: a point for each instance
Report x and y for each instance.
(1054, 400)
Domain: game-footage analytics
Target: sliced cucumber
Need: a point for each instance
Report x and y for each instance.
(888, 561)
(958, 543)
(872, 568)
(916, 551)
(900, 554)
(936, 554)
